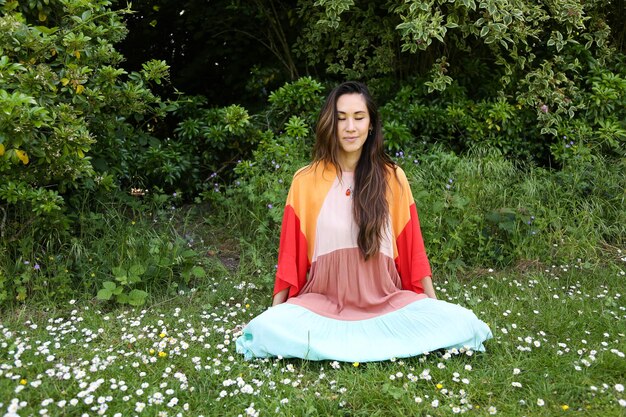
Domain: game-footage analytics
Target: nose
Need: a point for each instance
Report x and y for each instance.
(350, 124)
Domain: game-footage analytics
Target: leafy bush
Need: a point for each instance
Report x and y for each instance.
(302, 98)
(67, 109)
(523, 74)
(460, 124)
(256, 194)
(255, 200)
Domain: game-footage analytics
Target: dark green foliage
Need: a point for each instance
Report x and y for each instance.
(522, 74)
(228, 51)
(460, 124)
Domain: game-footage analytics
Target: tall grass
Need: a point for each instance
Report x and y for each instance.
(485, 210)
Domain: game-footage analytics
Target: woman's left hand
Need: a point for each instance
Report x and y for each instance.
(429, 289)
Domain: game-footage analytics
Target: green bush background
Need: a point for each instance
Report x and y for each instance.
(509, 118)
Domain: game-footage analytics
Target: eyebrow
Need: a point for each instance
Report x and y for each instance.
(356, 112)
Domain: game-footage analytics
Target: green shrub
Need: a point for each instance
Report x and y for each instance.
(67, 109)
(522, 75)
(254, 201)
(302, 98)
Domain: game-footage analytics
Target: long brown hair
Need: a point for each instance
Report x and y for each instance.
(369, 206)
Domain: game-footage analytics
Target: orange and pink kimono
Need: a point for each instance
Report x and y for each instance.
(342, 307)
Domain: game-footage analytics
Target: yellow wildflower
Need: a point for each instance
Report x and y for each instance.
(151, 351)
(565, 407)
(162, 354)
(355, 364)
(439, 386)
(161, 335)
(23, 381)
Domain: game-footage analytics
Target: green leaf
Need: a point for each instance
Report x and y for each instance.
(122, 298)
(395, 392)
(104, 294)
(118, 271)
(189, 253)
(137, 297)
(46, 30)
(198, 272)
(109, 285)
(122, 279)
(134, 279)
(137, 270)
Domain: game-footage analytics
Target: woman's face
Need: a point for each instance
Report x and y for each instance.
(353, 124)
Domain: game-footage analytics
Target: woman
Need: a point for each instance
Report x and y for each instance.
(353, 280)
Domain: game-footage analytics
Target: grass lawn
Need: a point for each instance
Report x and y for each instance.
(558, 349)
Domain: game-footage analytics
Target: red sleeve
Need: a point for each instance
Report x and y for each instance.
(293, 262)
(412, 262)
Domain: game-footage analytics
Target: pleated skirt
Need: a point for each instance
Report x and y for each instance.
(426, 325)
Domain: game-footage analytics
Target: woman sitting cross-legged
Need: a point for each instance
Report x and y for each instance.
(353, 280)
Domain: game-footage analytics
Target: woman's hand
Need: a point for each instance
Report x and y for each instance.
(280, 297)
(429, 289)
